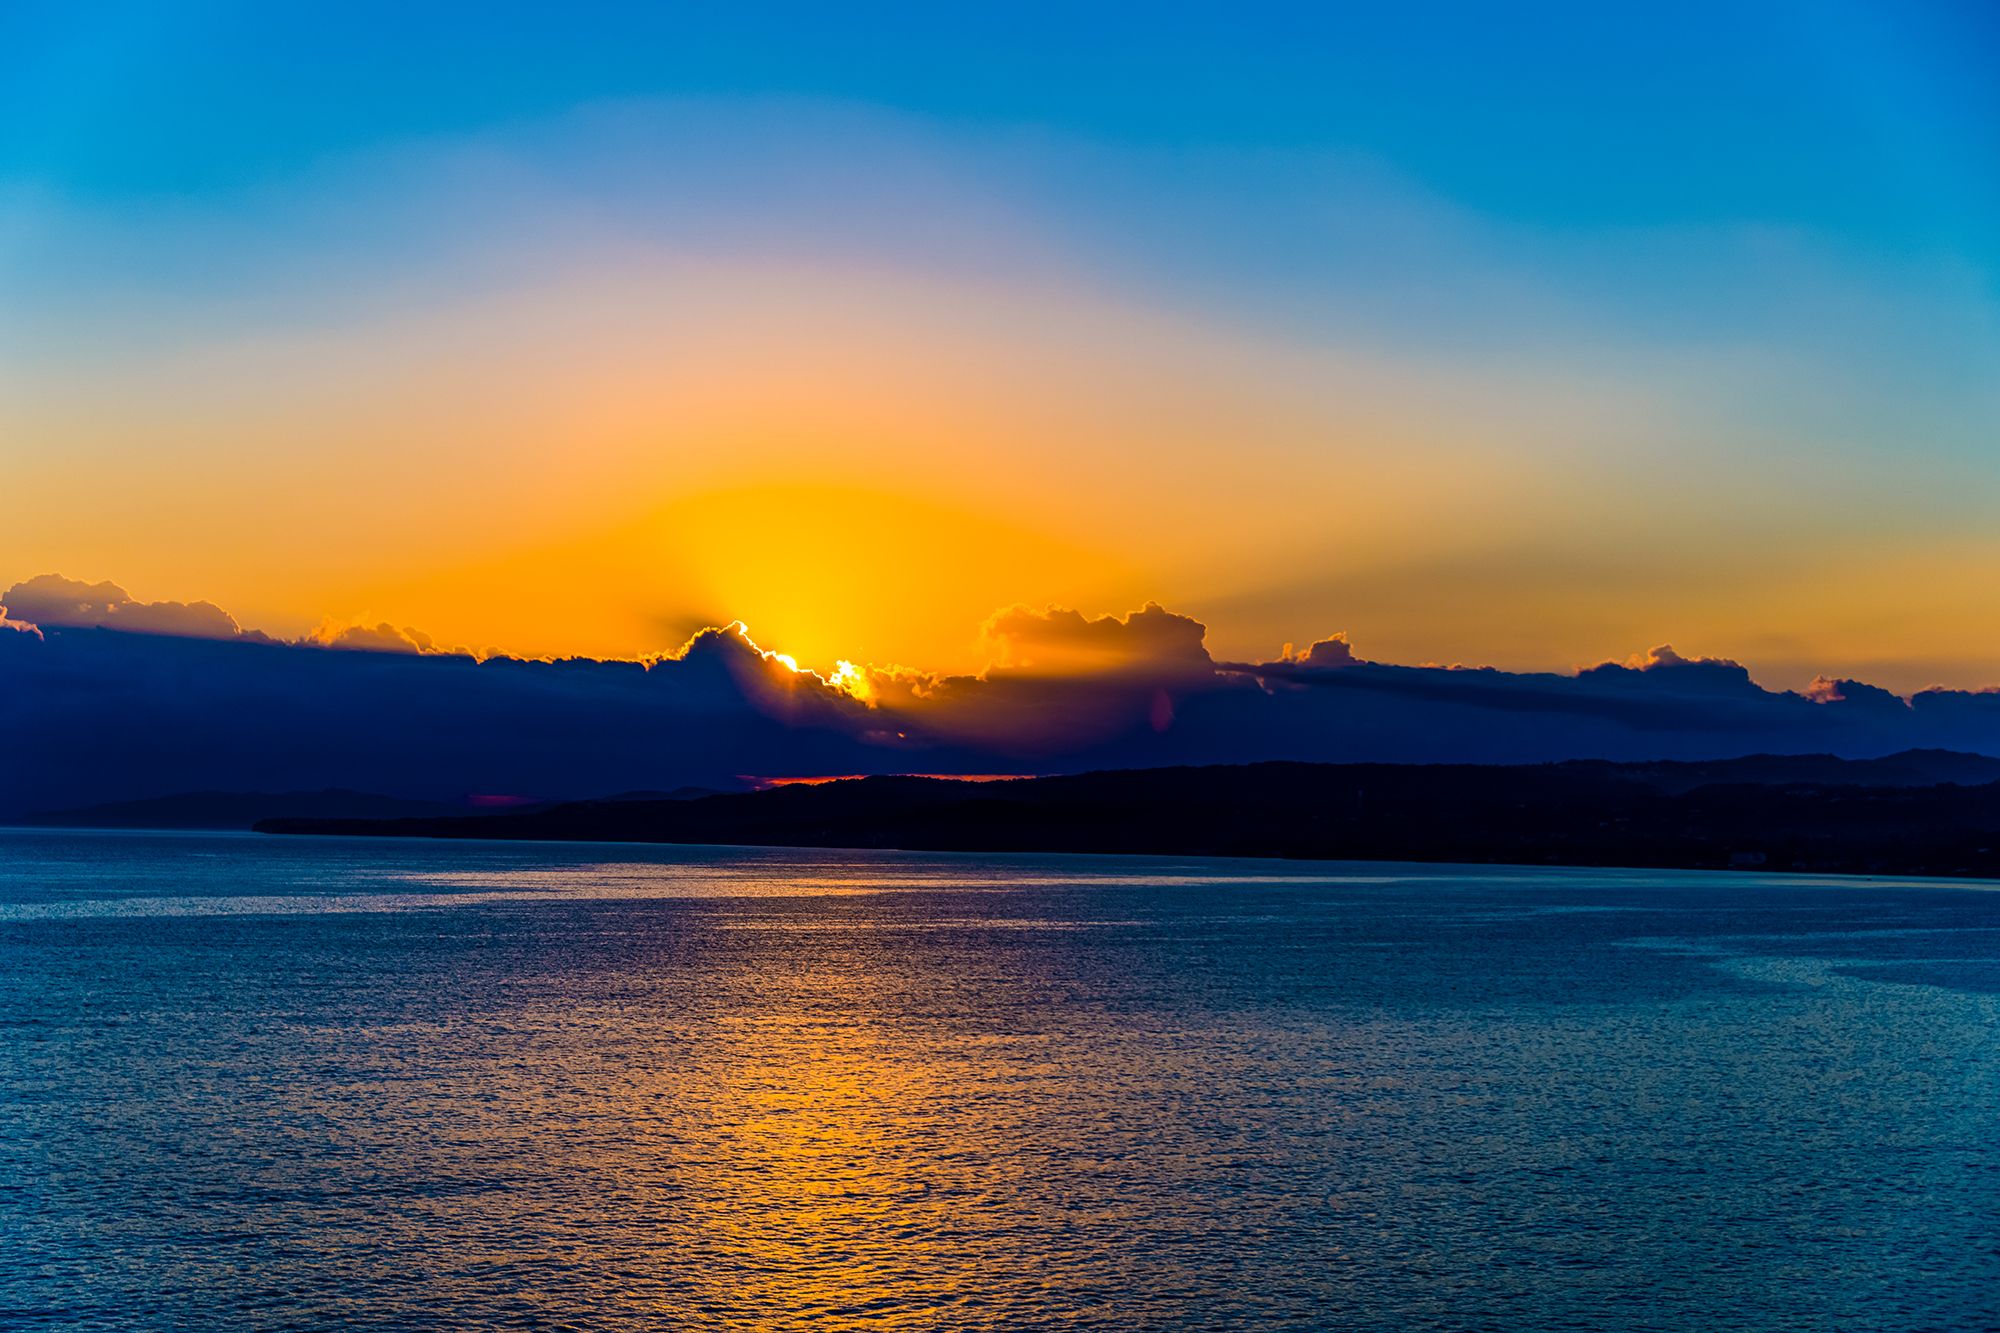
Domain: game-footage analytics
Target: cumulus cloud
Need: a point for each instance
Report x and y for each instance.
(91, 716)
(97, 716)
(727, 657)
(1854, 693)
(1664, 658)
(51, 599)
(381, 638)
(1058, 683)
(1662, 667)
(1056, 641)
(1324, 655)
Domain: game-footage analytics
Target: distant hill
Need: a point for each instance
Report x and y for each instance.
(1815, 813)
(238, 810)
(1910, 768)
(676, 794)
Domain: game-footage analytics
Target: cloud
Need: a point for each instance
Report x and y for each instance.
(728, 659)
(1056, 641)
(1855, 694)
(92, 716)
(1664, 658)
(1327, 654)
(55, 601)
(382, 638)
(50, 599)
(1663, 664)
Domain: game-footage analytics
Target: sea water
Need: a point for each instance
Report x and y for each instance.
(251, 1082)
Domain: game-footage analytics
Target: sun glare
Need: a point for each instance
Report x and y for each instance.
(851, 680)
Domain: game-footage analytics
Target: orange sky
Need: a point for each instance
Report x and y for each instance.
(866, 467)
(518, 415)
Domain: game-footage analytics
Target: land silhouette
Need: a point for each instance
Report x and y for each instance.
(1915, 813)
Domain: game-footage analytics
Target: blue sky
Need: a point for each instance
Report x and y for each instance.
(1703, 298)
(1830, 115)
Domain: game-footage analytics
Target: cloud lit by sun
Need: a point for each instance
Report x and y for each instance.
(851, 680)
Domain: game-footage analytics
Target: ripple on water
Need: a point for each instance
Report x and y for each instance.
(273, 1083)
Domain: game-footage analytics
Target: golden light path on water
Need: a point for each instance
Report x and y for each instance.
(353, 1083)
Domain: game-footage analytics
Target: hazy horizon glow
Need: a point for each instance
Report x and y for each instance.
(1518, 340)
(108, 697)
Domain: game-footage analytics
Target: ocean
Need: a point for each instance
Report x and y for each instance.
(252, 1082)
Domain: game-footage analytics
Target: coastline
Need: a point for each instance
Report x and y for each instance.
(1545, 816)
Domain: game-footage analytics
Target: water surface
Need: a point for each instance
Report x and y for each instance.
(290, 1083)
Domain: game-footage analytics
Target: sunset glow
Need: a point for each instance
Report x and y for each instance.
(1025, 668)
(574, 372)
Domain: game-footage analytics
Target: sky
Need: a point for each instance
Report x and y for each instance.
(1522, 336)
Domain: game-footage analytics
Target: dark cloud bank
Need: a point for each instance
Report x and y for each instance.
(104, 698)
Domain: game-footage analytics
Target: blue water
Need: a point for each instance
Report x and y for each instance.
(271, 1083)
